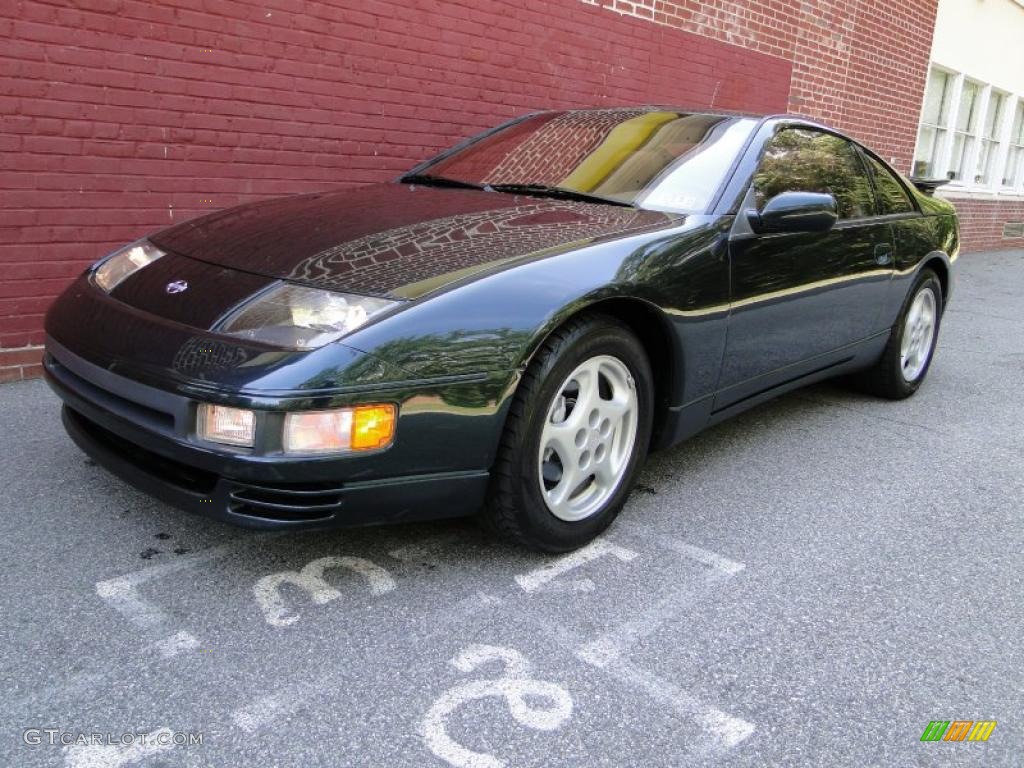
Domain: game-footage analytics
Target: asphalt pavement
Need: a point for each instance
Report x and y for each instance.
(809, 584)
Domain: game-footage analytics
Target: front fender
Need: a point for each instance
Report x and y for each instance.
(495, 323)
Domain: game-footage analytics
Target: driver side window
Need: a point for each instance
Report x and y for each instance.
(806, 160)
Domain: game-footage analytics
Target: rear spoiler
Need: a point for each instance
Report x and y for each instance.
(928, 186)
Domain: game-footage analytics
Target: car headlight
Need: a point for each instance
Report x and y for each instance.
(221, 424)
(340, 430)
(123, 263)
(300, 317)
(362, 428)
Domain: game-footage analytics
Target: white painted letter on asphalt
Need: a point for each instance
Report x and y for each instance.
(311, 579)
(514, 686)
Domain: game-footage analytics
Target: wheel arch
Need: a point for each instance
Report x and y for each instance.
(655, 332)
(938, 262)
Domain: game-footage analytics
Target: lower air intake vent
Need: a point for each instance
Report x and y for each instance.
(285, 503)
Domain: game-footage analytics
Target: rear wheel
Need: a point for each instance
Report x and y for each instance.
(908, 355)
(576, 435)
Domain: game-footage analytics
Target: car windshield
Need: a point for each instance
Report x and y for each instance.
(654, 159)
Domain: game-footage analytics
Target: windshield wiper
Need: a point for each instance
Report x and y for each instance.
(538, 190)
(543, 190)
(438, 181)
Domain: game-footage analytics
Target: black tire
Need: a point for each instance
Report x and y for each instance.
(885, 378)
(516, 509)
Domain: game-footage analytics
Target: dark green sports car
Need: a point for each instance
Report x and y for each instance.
(506, 330)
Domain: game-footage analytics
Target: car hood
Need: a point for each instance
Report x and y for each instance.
(397, 240)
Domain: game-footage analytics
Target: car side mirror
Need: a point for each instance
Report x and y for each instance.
(795, 212)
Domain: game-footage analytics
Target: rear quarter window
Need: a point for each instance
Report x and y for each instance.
(892, 197)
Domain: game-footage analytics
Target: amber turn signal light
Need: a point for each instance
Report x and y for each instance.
(373, 426)
(340, 430)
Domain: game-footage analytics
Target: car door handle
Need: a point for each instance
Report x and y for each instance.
(883, 254)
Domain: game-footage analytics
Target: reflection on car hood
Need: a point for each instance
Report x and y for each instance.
(396, 239)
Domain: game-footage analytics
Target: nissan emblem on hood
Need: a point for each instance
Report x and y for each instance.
(177, 286)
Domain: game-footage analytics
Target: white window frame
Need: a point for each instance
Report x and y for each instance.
(967, 186)
(943, 140)
(1004, 154)
(971, 134)
(998, 140)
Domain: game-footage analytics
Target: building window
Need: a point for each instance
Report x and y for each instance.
(964, 129)
(931, 138)
(1015, 156)
(989, 147)
(970, 133)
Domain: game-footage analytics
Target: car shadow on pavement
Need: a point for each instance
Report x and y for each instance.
(163, 533)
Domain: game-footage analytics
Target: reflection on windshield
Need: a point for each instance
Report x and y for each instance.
(658, 159)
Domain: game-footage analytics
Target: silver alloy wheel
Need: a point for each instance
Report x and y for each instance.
(588, 438)
(918, 335)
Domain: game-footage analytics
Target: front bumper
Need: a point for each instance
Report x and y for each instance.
(273, 506)
(142, 435)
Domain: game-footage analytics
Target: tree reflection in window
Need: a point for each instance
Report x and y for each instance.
(892, 198)
(803, 160)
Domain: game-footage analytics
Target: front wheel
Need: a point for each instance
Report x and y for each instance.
(576, 435)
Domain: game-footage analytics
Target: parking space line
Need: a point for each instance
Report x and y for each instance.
(726, 729)
(712, 559)
(704, 556)
(617, 641)
(723, 730)
(429, 551)
(185, 562)
(179, 642)
(272, 706)
(575, 585)
(609, 651)
(122, 594)
(115, 756)
(538, 577)
(262, 711)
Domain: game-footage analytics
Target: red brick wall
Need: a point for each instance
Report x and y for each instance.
(981, 223)
(888, 48)
(859, 65)
(123, 116)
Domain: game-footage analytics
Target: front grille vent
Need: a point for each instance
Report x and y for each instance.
(284, 502)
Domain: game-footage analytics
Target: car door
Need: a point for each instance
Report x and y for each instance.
(800, 300)
(913, 235)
